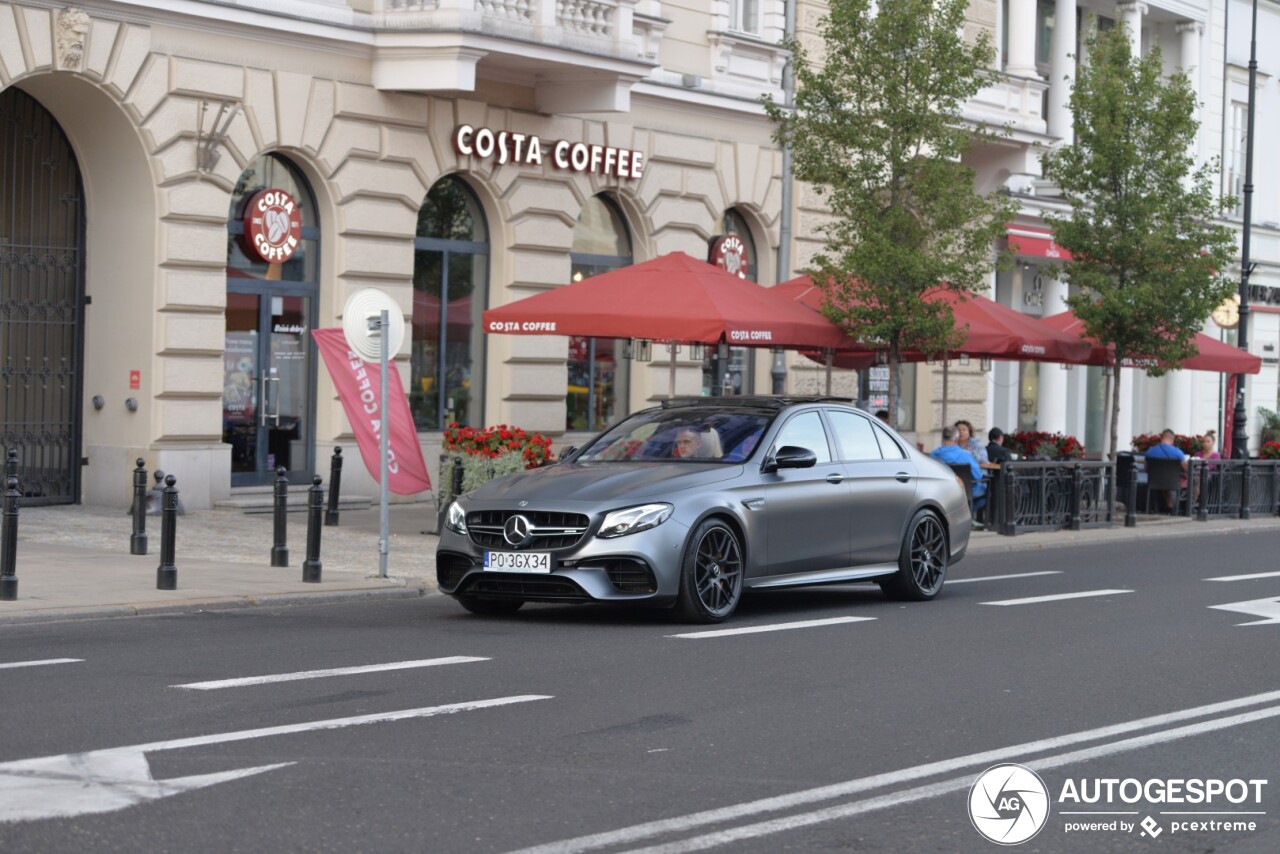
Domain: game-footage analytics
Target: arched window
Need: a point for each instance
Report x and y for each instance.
(730, 370)
(450, 282)
(597, 392)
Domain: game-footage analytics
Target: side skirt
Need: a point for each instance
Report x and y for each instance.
(825, 576)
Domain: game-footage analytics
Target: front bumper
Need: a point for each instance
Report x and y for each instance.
(641, 567)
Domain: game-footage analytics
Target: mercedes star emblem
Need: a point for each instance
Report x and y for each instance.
(517, 531)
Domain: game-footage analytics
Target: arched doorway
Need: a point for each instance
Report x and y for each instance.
(42, 239)
(450, 282)
(731, 370)
(598, 381)
(273, 276)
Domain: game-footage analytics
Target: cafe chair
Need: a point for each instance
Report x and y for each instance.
(1164, 477)
(965, 473)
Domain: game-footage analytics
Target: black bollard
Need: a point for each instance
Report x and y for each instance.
(1245, 488)
(1202, 508)
(166, 572)
(335, 483)
(1077, 495)
(9, 540)
(315, 509)
(138, 540)
(279, 547)
(457, 478)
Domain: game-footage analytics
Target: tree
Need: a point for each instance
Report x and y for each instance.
(1147, 256)
(877, 130)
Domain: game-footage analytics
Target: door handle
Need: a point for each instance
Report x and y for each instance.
(262, 401)
(835, 478)
(902, 477)
(276, 414)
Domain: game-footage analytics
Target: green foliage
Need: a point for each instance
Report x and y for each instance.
(877, 131)
(1146, 255)
(476, 471)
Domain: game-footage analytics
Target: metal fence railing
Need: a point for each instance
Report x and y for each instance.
(1052, 495)
(1235, 489)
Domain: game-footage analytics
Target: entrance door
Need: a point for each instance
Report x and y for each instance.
(268, 385)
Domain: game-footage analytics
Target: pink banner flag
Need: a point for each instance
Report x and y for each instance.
(358, 383)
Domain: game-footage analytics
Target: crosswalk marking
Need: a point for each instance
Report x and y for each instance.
(951, 581)
(43, 661)
(1032, 600)
(320, 674)
(774, 627)
(1248, 577)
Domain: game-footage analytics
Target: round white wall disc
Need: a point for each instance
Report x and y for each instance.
(361, 307)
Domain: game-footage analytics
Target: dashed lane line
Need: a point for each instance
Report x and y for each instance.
(321, 674)
(773, 627)
(1248, 577)
(11, 664)
(1056, 597)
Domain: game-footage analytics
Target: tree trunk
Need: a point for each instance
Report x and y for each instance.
(1115, 409)
(893, 383)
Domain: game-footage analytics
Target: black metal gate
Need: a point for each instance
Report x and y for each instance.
(41, 299)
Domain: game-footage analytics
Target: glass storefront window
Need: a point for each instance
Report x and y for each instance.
(597, 382)
(450, 281)
(732, 374)
(1028, 394)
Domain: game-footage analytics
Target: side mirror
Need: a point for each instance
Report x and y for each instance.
(790, 457)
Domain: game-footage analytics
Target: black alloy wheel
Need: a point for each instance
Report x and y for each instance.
(711, 575)
(922, 562)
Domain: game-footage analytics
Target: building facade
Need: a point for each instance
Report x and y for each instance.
(190, 188)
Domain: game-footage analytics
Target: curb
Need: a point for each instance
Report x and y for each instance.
(218, 603)
(1101, 537)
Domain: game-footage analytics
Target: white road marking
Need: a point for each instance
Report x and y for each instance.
(951, 581)
(320, 674)
(1248, 577)
(775, 627)
(42, 661)
(659, 827)
(933, 790)
(1267, 608)
(100, 781)
(1057, 597)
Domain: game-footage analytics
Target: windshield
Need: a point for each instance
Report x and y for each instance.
(688, 434)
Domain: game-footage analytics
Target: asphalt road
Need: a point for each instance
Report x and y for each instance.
(594, 729)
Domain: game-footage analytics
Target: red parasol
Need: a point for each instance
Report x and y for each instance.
(1214, 355)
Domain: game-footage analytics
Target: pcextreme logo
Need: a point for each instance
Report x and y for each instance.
(1008, 804)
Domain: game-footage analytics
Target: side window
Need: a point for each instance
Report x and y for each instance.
(806, 431)
(890, 449)
(856, 436)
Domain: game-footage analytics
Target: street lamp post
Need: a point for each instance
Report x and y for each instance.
(1239, 433)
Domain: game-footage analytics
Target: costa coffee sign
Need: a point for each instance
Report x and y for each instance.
(529, 150)
(272, 225)
(729, 253)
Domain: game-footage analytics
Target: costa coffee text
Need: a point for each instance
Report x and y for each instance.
(528, 149)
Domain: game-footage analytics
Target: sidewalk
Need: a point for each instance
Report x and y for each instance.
(74, 562)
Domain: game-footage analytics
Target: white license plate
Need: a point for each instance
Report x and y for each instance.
(517, 561)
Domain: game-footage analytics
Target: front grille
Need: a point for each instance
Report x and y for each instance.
(550, 530)
(543, 587)
(450, 568)
(630, 576)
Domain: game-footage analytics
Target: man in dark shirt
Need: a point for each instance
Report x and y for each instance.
(996, 451)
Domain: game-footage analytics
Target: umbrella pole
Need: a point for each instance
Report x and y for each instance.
(946, 366)
(830, 357)
(671, 385)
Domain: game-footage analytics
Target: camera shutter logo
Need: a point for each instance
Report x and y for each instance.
(1009, 804)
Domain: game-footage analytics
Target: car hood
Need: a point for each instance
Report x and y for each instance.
(603, 481)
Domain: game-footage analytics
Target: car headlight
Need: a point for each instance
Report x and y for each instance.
(634, 519)
(456, 519)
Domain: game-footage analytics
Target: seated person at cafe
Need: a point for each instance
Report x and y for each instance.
(1166, 450)
(966, 439)
(951, 454)
(996, 451)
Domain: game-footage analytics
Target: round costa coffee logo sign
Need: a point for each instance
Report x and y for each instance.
(1009, 804)
(272, 225)
(730, 253)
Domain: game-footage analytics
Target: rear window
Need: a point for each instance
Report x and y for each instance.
(692, 434)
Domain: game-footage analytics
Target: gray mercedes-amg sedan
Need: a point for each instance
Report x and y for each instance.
(690, 503)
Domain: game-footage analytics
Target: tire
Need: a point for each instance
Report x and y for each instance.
(710, 574)
(490, 607)
(922, 561)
